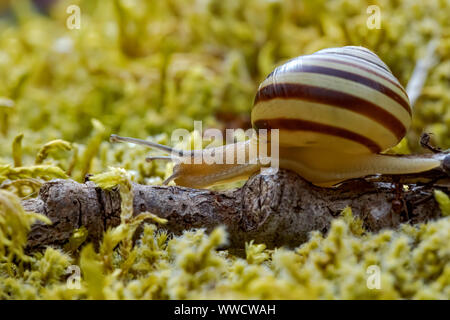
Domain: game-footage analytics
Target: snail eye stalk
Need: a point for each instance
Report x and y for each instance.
(115, 138)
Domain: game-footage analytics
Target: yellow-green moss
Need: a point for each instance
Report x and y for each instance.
(413, 264)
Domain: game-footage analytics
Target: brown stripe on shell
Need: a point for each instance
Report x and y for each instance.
(355, 57)
(332, 98)
(358, 53)
(362, 49)
(359, 66)
(353, 77)
(304, 125)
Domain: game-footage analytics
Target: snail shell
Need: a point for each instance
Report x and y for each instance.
(343, 99)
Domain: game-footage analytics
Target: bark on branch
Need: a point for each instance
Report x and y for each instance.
(278, 210)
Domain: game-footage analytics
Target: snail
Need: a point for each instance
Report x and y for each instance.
(337, 110)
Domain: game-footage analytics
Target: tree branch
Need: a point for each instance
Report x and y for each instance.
(279, 209)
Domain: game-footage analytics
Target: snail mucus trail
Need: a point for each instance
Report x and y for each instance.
(336, 110)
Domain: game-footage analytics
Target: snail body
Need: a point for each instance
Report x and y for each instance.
(336, 111)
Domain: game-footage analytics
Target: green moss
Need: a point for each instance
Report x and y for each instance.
(14, 226)
(413, 263)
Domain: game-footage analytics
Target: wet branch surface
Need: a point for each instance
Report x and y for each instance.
(278, 210)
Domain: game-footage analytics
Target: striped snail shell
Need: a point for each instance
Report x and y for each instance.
(337, 99)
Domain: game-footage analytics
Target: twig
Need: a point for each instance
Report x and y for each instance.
(278, 210)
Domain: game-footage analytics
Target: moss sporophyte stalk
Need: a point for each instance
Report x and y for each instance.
(145, 68)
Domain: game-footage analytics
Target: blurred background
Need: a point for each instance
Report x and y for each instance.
(145, 68)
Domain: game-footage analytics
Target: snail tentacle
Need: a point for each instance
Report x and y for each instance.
(161, 147)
